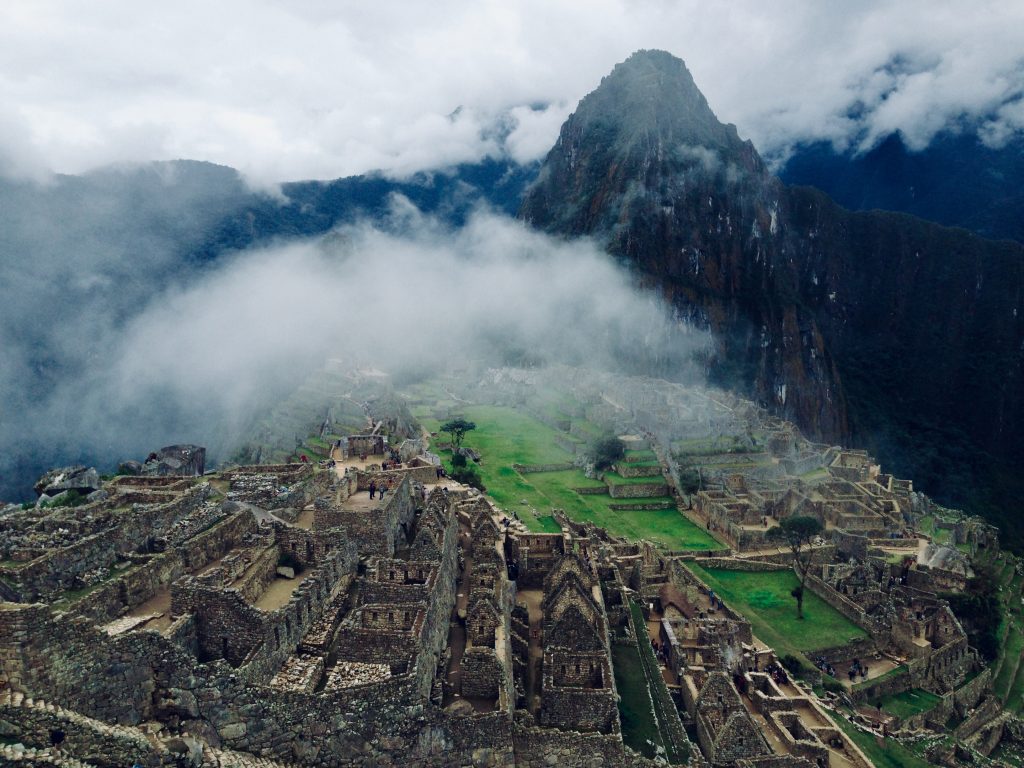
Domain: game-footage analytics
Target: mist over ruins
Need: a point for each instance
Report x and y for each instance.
(548, 430)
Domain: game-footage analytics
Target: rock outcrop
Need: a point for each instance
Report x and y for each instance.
(185, 460)
(77, 478)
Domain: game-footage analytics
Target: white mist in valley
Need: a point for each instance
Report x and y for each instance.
(200, 360)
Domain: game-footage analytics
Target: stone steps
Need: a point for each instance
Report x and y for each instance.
(226, 758)
(12, 754)
(16, 699)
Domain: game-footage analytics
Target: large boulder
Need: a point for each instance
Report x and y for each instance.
(130, 467)
(184, 460)
(77, 478)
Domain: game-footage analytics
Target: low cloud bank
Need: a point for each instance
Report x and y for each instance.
(197, 362)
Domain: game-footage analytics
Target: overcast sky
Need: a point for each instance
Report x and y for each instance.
(322, 88)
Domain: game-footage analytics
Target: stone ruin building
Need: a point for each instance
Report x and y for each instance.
(277, 615)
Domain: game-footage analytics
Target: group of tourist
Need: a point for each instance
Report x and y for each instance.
(825, 666)
(714, 601)
(777, 672)
(856, 668)
(381, 489)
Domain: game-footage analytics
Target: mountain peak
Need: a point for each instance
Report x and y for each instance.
(646, 128)
(653, 95)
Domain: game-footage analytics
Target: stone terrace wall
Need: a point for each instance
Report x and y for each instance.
(229, 627)
(140, 584)
(141, 675)
(543, 748)
(105, 745)
(526, 469)
(887, 685)
(376, 531)
(482, 673)
(741, 564)
(967, 697)
(393, 477)
(285, 473)
(637, 490)
(50, 575)
(134, 588)
(628, 469)
(873, 626)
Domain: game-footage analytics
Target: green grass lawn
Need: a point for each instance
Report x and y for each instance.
(639, 728)
(910, 703)
(505, 437)
(509, 436)
(764, 598)
(889, 754)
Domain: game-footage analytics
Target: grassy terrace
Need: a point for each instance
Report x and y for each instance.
(889, 754)
(1008, 669)
(639, 728)
(910, 703)
(764, 598)
(611, 478)
(505, 437)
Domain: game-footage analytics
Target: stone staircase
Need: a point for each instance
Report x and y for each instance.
(226, 758)
(14, 754)
(143, 742)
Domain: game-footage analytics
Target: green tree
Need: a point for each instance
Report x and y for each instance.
(607, 450)
(457, 428)
(797, 533)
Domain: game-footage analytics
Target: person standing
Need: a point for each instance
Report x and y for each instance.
(373, 488)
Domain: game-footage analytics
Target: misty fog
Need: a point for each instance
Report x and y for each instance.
(198, 358)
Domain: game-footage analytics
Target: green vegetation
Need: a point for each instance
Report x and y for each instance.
(979, 610)
(457, 428)
(606, 450)
(797, 533)
(664, 708)
(889, 754)
(1007, 670)
(71, 498)
(509, 436)
(465, 473)
(639, 728)
(909, 703)
(505, 437)
(764, 597)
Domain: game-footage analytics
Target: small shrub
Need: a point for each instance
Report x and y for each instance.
(607, 450)
(831, 684)
(689, 478)
(72, 498)
(792, 664)
(468, 475)
(458, 460)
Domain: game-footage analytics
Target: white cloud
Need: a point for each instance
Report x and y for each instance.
(196, 362)
(323, 89)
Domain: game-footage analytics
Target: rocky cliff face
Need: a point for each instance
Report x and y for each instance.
(873, 327)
